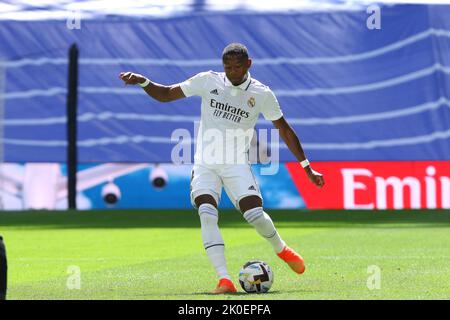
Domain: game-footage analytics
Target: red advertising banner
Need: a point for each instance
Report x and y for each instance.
(376, 185)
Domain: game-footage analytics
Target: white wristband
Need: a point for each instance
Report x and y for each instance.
(143, 85)
(304, 163)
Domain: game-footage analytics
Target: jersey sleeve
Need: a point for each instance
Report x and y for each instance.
(195, 85)
(271, 109)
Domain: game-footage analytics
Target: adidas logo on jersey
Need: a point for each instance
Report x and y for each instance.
(215, 92)
(251, 188)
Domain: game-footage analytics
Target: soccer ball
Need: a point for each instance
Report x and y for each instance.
(256, 277)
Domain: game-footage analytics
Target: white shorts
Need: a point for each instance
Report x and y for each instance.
(237, 180)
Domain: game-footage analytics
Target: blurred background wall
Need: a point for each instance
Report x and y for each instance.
(365, 87)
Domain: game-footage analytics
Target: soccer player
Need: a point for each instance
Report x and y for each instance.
(3, 270)
(231, 101)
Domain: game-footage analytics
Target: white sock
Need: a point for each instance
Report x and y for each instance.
(212, 239)
(264, 226)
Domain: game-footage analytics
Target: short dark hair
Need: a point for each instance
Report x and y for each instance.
(236, 50)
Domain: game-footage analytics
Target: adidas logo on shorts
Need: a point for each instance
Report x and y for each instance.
(251, 188)
(215, 92)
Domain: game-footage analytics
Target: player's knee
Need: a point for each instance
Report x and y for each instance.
(250, 202)
(205, 199)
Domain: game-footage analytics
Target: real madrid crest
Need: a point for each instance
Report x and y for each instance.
(251, 102)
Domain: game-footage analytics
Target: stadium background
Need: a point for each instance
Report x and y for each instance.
(371, 106)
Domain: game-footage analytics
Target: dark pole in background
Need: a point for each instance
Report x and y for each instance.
(199, 5)
(72, 93)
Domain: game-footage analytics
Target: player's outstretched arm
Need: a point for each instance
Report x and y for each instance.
(156, 91)
(290, 138)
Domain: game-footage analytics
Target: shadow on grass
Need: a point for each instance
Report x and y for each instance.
(227, 295)
(228, 219)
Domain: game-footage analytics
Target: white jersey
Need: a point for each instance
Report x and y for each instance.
(228, 116)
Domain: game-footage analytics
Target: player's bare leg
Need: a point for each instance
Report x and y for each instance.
(213, 241)
(251, 206)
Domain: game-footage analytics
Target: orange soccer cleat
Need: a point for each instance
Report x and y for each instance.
(225, 286)
(293, 259)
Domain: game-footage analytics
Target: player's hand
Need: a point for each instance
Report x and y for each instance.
(132, 78)
(315, 177)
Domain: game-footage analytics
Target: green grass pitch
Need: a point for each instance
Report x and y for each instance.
(159, 254)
